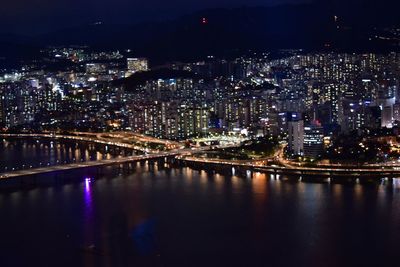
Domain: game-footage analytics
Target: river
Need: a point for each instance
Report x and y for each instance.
(163, 216)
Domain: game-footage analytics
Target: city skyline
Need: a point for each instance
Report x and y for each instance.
(199, 133)
(309, 100)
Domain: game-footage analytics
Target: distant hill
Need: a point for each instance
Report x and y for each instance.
(232, 31)
(12, 51)
(226, 30)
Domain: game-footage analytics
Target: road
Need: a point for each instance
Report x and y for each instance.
(83, 165)
(94, 138)
(119, 141)
(382, 171)
(186, 154)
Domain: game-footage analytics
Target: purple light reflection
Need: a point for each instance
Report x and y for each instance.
(87, 185)
(88, 233)
(88, 195)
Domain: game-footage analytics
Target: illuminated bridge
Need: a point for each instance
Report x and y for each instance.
(185, 157)
(83, 165)
(119, 140)
(300, 172)
(88, 137)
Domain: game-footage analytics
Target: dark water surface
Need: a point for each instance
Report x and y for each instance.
(159, 216)
(20, 153)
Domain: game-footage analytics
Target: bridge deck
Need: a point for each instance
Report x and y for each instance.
(312, 171)
(81, 165)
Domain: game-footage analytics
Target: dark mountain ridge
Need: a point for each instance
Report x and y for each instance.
(226, 31)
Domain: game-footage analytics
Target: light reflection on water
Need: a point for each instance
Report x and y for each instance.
(31, 153)
(181, 216)
(88, 222)
(186, 209)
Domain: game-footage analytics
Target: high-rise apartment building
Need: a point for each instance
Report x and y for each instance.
(296, 136)
(137, 64)
(313, 141)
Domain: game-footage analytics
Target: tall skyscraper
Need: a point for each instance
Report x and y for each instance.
(387, 117)
(296, 136)
(313, 140)
(396, 112)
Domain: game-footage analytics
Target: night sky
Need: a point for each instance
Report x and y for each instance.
(31, 17)
(36, 16)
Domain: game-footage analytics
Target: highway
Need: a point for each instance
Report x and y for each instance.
(122, 140)
(115, 139)
(376, 172)
(129, 137)
(94, 138)
(83, 165)
(186, 154)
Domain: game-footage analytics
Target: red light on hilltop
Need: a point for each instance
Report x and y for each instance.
(204, 21)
